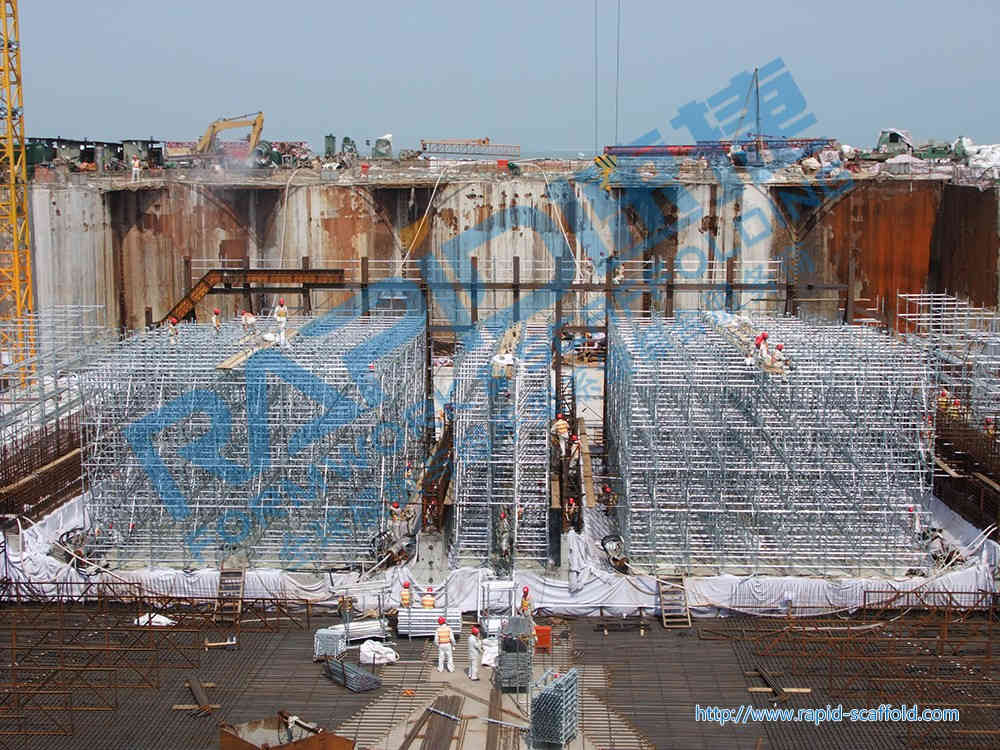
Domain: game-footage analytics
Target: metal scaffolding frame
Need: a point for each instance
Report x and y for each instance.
(729, 466)
(205, 445)
(963, 342)
(501, 445)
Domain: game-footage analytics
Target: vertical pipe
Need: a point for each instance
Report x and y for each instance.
(516, 289)
(306, 294)
(364, 285)
(474, 290)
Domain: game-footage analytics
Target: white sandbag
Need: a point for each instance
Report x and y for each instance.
(157, 620)
(373, 652)
(491, 650)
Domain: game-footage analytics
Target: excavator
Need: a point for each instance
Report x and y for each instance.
(206, 144)
(205, 150)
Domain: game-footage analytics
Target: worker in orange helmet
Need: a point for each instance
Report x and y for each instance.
(445, 641)
(281, 315)
(427, 600)
(475, 653)
(405, 600)
(216, 323)
(525, 607)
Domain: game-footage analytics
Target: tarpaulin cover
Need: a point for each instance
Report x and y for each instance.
(591, 588)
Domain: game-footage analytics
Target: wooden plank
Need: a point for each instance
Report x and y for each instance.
(770, 690)
(414, 731)
(588, 473)
(231, 363)
(193, 707)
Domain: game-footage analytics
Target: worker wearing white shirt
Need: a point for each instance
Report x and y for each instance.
(475, 653)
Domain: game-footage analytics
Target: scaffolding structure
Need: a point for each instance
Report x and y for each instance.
(963, 343)
(38, 383)
(203, 445)
(501, 476)
(728, 465)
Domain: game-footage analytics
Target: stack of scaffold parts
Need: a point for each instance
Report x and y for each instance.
(423, 621)
(555, 710)
(513, 670)
(329, 642)
(356, 679)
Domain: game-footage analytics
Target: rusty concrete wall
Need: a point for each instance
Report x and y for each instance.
(130, 255)
(966, 245)
(887, 229)
(72, 259)
(154, 230)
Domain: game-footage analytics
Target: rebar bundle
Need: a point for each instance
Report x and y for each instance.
(501, 401)
(816, 466)
(208, 443)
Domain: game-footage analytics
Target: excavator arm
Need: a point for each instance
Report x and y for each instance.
(206, 144)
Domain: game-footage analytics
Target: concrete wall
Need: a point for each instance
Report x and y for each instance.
(125, 249)
(73, 262)
(966, 245)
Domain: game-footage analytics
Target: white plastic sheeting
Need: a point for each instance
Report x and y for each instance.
(373, 652)
(592, 587)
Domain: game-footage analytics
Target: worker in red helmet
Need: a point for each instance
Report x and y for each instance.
(405, 600)
(574, 447)
(475, 653)
(525, 608)
(778, 357)
(172, 330)
(281, 315)
(427, 600)
(216, 322)
(249, 321)
(560, 431)
(445, 641)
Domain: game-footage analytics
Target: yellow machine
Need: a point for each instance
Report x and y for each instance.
(206, 144)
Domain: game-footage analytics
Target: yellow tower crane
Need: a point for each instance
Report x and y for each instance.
(16, 300)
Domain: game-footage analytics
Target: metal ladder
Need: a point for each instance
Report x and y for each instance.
(673, 602)
(229, 603)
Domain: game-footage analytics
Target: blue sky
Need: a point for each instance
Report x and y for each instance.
(518, 72)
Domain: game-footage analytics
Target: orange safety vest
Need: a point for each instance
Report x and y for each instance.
(404, 597)
(428, 601)
(444, 635)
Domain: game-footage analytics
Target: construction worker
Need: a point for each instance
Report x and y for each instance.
(172, 330)
(989, 427)
(574, 447)
(405, 600)
(281, 315)
(475, 653)
(427, 600)
(525, 608)
(778, 358)
(445, 641)
(396, 521)
(609, 499)
(761, 344)
(943, 398)
(956, 409)
(570, 512)
(136, 168)
(505, 534)
(560, 430)
(216, 323)
(249, 321)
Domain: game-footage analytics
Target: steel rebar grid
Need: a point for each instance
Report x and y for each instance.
(290, 457)
(501, 446)
(728, 467)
